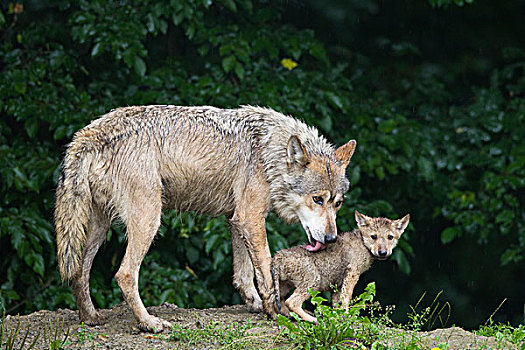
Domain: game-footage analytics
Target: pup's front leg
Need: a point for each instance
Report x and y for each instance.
(344, 295)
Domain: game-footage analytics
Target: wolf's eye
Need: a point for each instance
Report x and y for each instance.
(338, 204)
(390, 237)
(318, 200)
(374, 237)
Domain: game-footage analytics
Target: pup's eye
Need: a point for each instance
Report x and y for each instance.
(318, 200)
(390, 237)
(338, 204)
(374, 237)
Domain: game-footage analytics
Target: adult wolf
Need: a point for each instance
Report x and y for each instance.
(133, 162)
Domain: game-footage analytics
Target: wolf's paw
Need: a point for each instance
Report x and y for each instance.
(154, 324)
(94, 319)
(255, 304)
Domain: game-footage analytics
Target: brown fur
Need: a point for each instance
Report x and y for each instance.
(339, 265)
(136, 161)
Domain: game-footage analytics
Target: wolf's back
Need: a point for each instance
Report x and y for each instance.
(72, 209)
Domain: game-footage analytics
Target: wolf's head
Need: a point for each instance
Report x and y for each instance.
(318, 184)
(380, 235)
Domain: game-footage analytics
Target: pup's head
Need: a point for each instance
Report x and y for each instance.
(380, 235)
(318, 183)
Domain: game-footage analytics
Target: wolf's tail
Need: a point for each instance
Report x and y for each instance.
(276, 289)
(72, 210)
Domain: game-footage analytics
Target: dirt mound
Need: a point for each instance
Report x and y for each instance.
(232, 327)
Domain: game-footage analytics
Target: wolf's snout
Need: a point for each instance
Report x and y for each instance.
(382, 253)
(330, 238)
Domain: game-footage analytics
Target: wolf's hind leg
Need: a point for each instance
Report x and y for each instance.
(243, 272)
(97, 230)
(143, 221)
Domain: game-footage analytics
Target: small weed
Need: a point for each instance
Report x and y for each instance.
(503, 333)
(8, 337)
(85, 335)
(52, 335)
(429, 316)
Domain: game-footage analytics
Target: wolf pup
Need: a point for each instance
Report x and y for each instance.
(136, 161)
(340, 264)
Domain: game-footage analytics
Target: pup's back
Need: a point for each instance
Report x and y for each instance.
(297, 267)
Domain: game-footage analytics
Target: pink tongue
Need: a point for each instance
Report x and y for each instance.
(318, 246)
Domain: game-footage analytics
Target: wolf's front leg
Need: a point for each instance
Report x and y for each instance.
(248, 221)
(243, 273)
(344, 295)
(256, 244)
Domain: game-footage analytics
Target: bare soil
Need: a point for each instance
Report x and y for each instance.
(257, 332)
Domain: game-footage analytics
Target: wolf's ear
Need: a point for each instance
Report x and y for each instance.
(362, 220)
(296, 153)
(401, 224)
(345, 152)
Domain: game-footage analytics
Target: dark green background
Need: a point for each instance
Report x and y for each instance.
(434, 93)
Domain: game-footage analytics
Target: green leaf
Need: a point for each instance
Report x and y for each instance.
(286, 322)
(334, 99)
(326, 123)
(426, 168)
(31, 126)
(210, 244)
(96, 49)
(509, 256)
(247, 5)
(177, 18)
(402, 261)
(192, 254)
(505, 217)
(231, 5)
(386, 126)
(239, 71)
(355, 175)
(228, 63)
(318, 51)
(449, 234)
(140, 66)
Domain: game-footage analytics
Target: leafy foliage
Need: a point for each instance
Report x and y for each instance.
(504, 333)
(451, 156)
(336, 327)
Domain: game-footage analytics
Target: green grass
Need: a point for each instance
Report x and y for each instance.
(504, 332)
(222, 335)
(8, 337)
(55, 336)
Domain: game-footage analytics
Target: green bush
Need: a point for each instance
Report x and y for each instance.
(450, 156)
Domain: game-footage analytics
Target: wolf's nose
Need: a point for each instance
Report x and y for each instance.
(330, 238)
(382, 253)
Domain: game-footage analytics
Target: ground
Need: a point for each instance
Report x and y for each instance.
(229, 327)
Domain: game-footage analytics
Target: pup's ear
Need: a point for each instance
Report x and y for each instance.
(345, 152)
(401, 224)
(296, 154)
(362, 220)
